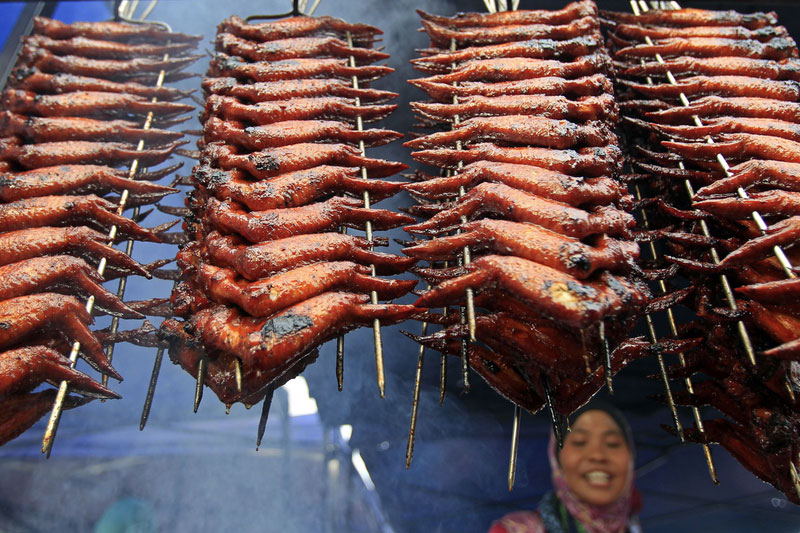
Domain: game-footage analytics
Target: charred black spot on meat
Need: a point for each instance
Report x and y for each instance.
(286, 324)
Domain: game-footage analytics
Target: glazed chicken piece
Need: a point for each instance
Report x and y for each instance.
(519, 206)
(56, 129)
(111, 69)
(280, 160)
(782, 233)
(83, 242)
(584, 109)
(34, 315)
(543, 54)
(717, 126)
(105, 49)
(276, 343)
(573, 190)
(519, 129)
(298, 27)
(532, 242)
(737, 106)
(564, 15)
(33, 156)
(775, 174)
(591, 85)
(62, 274)
(254, 262)
(292, 132)
(260, 226)
(224, 65)
(693, 17)
(72, 210)
(113, 31)
(295, 47)
(737, 146)
(591, 162)
(553, 294)
(440, 35)
(776, 49)
(74, 179)
(20, 411)
(267, 296)
(726, 86)
(639, 32)
(785, 69)
(739, 443)
(220, 368)
(775, 202)
(504, 69)
(44, 83)
(24, 369)
(292, 189)
(91, 104)
(267, 91)
(320, 107)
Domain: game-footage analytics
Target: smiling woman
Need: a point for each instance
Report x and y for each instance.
(592, 480)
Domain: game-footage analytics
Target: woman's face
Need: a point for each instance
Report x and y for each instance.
(595, 459)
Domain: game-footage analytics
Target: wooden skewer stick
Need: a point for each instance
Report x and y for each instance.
(376, 323)
(555, 418)
(670, 316)
(468, 313)
(202, 366)
(654, 337)
(262, 422)
(151, 389)
(606, 349)
(512, 462)
(412, 430)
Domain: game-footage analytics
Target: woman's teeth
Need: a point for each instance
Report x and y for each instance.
(597, 478)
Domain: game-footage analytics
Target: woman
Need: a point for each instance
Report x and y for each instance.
(592, 478)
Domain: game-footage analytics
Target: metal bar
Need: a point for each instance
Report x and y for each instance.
(376, 323)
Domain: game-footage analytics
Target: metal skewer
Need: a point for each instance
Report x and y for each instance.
(376, 323)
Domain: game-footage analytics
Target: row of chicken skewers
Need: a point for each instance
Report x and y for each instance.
(526, 215)
(73, 112)
(269, 276)
(715, 101)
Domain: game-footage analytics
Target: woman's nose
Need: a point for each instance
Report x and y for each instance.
(596, 451)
